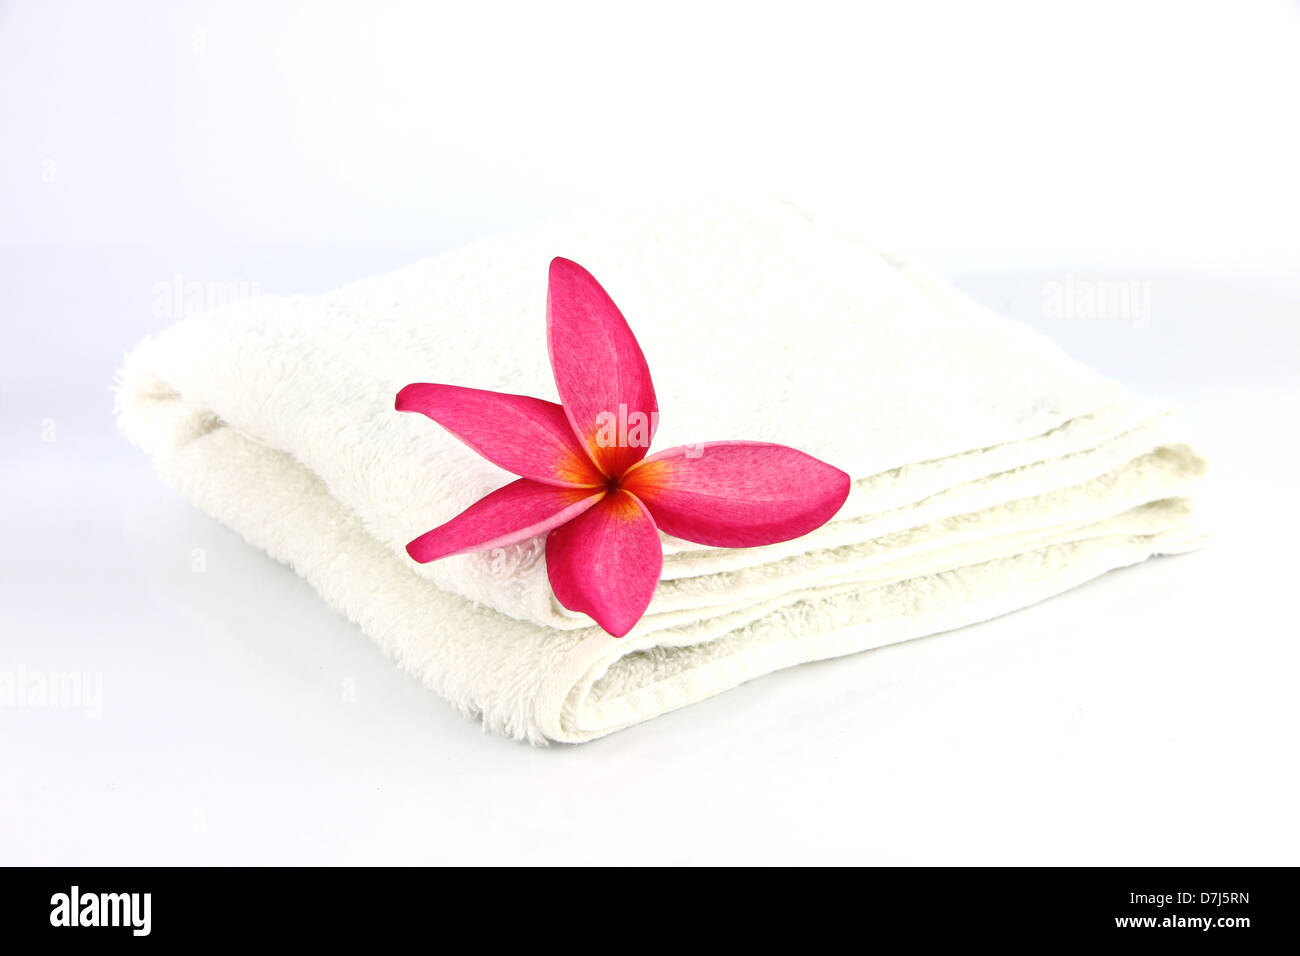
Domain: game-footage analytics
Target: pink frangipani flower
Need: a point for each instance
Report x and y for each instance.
(585, 479)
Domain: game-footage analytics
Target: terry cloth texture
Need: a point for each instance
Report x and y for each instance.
(990, 469)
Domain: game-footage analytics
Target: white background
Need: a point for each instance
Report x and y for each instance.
(1148, 717)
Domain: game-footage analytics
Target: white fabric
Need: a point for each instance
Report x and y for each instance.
(990, 469)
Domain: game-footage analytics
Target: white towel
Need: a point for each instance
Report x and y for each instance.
(991, 470)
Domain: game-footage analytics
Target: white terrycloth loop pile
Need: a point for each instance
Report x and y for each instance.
(991, 470)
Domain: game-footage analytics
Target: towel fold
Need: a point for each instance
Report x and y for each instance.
(990, 469)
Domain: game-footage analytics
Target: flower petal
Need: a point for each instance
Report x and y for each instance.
(737, 494)
(602, 377)
(606, 562)
(517, 512)
(523, 435)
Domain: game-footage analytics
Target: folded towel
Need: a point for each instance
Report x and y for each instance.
(990, 469)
